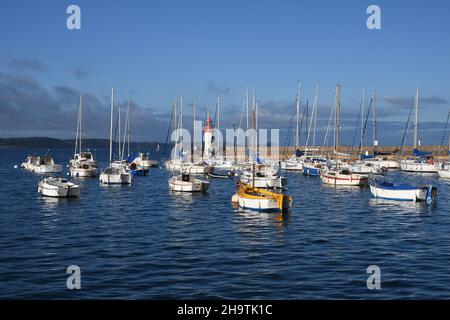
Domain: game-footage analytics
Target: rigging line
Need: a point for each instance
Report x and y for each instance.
(287, 138)
(332, 111)
(365, 124)
(163, 154)
(305, 111)
(356, 131)
(406, 127)
(445, 132)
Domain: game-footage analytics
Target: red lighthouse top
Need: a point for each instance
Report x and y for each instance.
(209, 126)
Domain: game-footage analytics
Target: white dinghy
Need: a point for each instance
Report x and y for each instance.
(58, 188)
(187, 183)
(390, 191)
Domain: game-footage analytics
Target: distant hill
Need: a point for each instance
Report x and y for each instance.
(51, 143)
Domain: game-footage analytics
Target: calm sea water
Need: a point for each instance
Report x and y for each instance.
(141, 241)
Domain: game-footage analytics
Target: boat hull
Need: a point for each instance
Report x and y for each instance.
(50, 168)
(421, 167)
(83, 173)
(188, 186)
(62, 192)
(344, 179)
(121, 178)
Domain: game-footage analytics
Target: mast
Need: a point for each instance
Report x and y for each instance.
(81, 119)
(78, 128)
(363, 106)
(374, 123)
(218, 126)
(128, 126)
(337, 122)
(181, 123)
(120, 109)
(246, 129)
(416, 116)
(297, 133)
(312, 121)
(111, 124)
(315, 113)
(193, 142)
(126, 133)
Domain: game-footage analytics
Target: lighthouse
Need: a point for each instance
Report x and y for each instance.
(208, 138)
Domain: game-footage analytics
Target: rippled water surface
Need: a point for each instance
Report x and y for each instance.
(141, 241)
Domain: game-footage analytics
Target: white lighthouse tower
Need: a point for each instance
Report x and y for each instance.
(208, 138)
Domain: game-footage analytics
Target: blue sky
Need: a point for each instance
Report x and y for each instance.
(154, 51)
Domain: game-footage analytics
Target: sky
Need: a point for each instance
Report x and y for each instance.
(157, 51)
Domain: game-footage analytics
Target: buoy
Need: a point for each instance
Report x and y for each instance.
(16, 166)
(234, 198)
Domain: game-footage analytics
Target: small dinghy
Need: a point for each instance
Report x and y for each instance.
(187, 183)
(248, 197)
(58, 188)
(390, 191)
(220, 175)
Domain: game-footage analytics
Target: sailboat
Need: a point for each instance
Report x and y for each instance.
(422, 162)
(115, 173)
(294, 163)
(402, 192)
(82, 164)
(248, 196)
(312, 162)
(185, 181)
(339, 175)
(177, 164)
(261, 175)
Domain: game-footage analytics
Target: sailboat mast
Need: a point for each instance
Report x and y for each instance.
(247, 127)
(363, 107)
(416, 116)
(315, 114)
(81, 119)
(297, 133)
(181, 121)
(337, 121)
(374, 124)
(111, 124)
(193, 142)
(128, 126)
(120, 153)
(78, 129)
(218, 126)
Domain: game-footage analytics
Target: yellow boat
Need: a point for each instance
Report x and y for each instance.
(249, 197)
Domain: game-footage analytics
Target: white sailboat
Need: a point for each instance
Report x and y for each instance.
(82, 164)
(177, 164)
(115, 173)
(260, 175)
(185, 181)
(337, 175)
(419, 163)
(390, 191)
(294, 163)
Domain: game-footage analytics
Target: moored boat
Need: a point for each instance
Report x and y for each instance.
(249, 197)
(390, 191)
(187, 183)
(58, 187)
